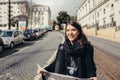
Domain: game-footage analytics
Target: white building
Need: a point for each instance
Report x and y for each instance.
(99, 14)
(41, 16)
(18, 7)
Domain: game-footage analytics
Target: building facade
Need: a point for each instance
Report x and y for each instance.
(23, 14)
(100, 16)
(18, 8)
(41, 16)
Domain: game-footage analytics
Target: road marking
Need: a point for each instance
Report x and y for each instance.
(51, 59)
(37, 42)
(44, 38)
(20, 50)
(13, 54)
(1, 76)
(63, 39)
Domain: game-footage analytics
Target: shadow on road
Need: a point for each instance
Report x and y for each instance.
(9, 51)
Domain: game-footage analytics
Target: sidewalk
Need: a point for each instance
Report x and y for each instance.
(107, 38)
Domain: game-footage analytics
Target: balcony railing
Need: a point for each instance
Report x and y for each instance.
(112, 24)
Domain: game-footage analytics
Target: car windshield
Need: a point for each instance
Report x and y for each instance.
(35, 30)
(6, 33)
(28, 31)
(0, 32)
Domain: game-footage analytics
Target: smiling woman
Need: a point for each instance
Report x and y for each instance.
(75, 56)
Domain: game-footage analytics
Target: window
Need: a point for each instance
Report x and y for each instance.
(98, 14)
(5, 25)
(104, 22)
(93, 16)
(39, 13)
(116, 0)
(4, 12)
(112, 19)
(104, 11)
(0, 25)
(112, 6)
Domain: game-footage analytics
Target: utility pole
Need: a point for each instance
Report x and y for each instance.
(9, 15)
(31, 14)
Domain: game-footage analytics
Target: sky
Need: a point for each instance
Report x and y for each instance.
(60, 5)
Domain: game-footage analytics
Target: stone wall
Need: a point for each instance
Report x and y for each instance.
(108, 32)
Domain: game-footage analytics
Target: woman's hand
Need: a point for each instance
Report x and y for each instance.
(93, 78)
(40, 71)
(43, 71)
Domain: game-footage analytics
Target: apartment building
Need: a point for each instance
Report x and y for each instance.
(28, 15)
(99, 15)
(41, 16)
(18, 8)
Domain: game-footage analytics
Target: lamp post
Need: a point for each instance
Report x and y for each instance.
(31, 14)
(9, 15)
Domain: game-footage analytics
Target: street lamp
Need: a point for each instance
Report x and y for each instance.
(31, 14)
(9, 15)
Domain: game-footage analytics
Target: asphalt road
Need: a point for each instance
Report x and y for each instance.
(107, 46)
(20, 64)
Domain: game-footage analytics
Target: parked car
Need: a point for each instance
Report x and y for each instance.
(38, 32)
(48, 28)
(29, 34)
(12, 37)
(1, 45)
(43, 31)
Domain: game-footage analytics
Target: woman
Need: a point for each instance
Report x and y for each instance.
(76, 57)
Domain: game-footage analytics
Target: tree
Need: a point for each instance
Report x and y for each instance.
(63, 17)
(73, 18)
(54, 23)
(14, 21)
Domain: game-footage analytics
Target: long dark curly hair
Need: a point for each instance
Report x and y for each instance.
(81, 37)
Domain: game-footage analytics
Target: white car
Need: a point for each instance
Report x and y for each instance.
(12, 37)
(1, 45)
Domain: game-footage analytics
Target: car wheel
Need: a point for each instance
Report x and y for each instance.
(1, 48)
(11, 45)
(23, 41)
(31, 38)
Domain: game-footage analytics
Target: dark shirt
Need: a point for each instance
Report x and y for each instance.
(83, 62)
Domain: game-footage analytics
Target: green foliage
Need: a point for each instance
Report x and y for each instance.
(14, 20)
(63, 17)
